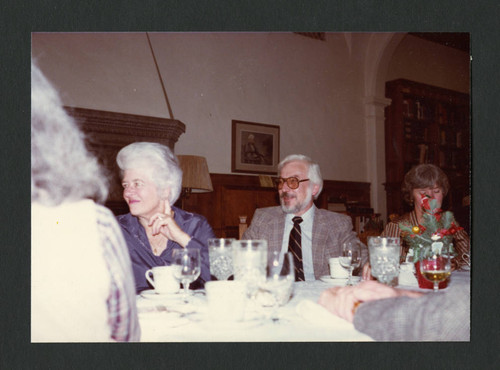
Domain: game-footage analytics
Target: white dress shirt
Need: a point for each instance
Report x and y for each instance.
(306, 243)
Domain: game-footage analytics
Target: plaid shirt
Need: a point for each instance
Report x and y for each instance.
(123, 320)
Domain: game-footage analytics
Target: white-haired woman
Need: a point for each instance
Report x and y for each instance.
(152, 180)
(82, 288)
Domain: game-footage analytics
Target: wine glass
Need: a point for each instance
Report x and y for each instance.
(436, 263)
(221, 257)
(187, 264)
(384, 258)
(350, 258)
(249, 260)
(277, 289)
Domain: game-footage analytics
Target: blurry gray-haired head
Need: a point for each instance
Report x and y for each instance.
(166, 171)
(313, 173)
(62, 169)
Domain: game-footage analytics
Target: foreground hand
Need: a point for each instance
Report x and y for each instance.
(165, 224)
(342, 301)
(339, 301)
(367, 272)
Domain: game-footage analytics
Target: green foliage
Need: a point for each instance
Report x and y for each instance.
(436, 227)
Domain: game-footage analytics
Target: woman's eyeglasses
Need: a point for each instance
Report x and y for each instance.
(291, 182)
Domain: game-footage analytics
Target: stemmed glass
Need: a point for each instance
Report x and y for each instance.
(221, 257)
(187, 264)
(350, 258)
(436, 263)
(278, 285)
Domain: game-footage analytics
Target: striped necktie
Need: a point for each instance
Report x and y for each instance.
(295, 246)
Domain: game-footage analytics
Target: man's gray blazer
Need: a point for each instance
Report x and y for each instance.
(441, 316)
(330, 230)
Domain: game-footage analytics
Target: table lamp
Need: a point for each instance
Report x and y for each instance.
(195, 176)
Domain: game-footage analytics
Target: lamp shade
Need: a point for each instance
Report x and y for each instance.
(195, 175)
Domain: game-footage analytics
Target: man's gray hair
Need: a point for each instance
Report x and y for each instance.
(314, 173)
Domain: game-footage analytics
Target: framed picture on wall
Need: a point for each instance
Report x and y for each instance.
(255, 147)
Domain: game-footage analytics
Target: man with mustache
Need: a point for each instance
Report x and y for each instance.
(322, 232)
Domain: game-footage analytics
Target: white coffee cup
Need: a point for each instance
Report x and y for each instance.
(336, 269)
(164, 281)
(226, 300)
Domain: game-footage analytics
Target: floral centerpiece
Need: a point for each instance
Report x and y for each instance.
(437, 228)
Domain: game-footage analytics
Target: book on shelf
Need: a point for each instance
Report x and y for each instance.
(422, 157)
(459, 139)
(442, 114)
(454, 159)
(416, 131)
(415, 109)
(430, 156)
(406, 108)
(442, 159)
(419, 109)
(443, 137)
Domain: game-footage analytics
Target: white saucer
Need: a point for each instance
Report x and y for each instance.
(151, 294)
(329, 280)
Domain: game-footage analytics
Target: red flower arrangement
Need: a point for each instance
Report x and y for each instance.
(437, 228)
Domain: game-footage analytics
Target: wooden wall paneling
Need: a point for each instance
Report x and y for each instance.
(233, 196)
(241, 195)
(243, 202)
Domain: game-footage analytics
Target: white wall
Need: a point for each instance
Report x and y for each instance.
(314, 90)
(311, 89)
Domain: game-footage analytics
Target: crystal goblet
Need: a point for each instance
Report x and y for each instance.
(384, 258)
(221, 257)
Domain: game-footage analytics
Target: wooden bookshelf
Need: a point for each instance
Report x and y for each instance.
(427, 124)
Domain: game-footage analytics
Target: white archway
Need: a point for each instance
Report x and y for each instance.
(379, 52)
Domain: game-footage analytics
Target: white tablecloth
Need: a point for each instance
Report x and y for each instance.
(310, 322)
(302, 320)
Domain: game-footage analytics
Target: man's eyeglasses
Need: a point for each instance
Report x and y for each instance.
(292, 182)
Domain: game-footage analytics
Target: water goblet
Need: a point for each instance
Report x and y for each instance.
(277, 289)
(187, 263)
(249, 260)
(384, 258)
(436, 263)
(350, 258)
(221, 257)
